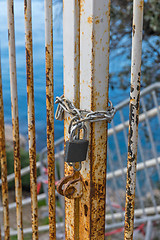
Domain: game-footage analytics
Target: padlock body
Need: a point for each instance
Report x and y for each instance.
(76, 150)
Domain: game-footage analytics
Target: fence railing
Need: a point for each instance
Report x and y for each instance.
(86, 29)
(147, 204)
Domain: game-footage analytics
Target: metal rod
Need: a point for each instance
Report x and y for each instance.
(42, 228)
(110, 162)
(149, 228)
(150, 114)
(110, 205)
(144, 92)
(31, 117)
(25, 201)
(118, 151)
(156, 104)
(3, 166)
(50, 117)
(140, 166)
(71, 52)
(148, 181)
(133, 117)
(94, 78)
(124, 128)
(15, 120)
(154, 150)
(26, 170)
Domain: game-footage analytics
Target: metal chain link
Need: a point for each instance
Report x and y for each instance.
(82, 115)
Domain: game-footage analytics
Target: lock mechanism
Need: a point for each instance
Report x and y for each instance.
(76, 147)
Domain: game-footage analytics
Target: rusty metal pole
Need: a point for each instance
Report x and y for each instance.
(133, 117)
(50, 117)
(3, 167)
(71, 52)
(31, 117)
(94, 78)
(15, 120)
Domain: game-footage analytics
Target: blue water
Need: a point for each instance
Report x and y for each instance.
(39, 67)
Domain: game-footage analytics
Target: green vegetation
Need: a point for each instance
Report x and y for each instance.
(42, 203)
(24, 156)
(26, 237)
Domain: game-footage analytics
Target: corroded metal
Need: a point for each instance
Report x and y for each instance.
(15, 120)
(133, 117)
(3, 167)
(94, 77)
(71, 54)
(50, 116)
(70, 186)
(31, 117)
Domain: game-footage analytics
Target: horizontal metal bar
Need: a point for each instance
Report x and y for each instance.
(26, 170)
(25, 201)
(137, 213)
(40, 229)
(110, 175)
(140, 166)
(144, 92)
(107, 226)
(151, 113)
(136, 222)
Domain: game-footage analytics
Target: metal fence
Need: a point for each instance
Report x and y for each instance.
(86, 31)
(147, 204)
(147, 208)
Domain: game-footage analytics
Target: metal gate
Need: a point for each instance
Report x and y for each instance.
(86, 32)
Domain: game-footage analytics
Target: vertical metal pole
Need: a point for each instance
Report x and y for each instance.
(94, 78)
(15, 120)
(133, 117)
(50, 117)
(71, 48)
(3, 167)
(31, 117)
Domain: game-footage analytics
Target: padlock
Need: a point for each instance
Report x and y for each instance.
(76, 148)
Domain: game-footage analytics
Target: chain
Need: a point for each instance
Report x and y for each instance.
(79, 116)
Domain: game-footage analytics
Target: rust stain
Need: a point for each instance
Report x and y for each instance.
(141, 4)
(133, 129)
(90, 19)
(50, 117)
(92, 203)
(15, 121)
(97, 21)
(31, 117)
(3, 167)
(133, 29)
(82, 2)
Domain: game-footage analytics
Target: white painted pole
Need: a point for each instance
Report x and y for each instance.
(94, 77)
(71, 54)
(134, 117)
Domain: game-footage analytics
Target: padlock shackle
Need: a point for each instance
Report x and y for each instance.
(73, 130)
(73, 165)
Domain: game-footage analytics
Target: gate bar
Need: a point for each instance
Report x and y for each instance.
(94, 78)
(3, 166)
(133, 117)
(50, 117)
(71, 52)
(15, 119)
(31, 117)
